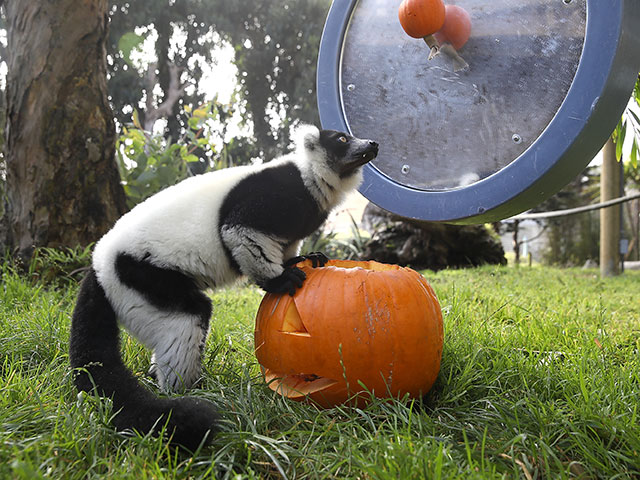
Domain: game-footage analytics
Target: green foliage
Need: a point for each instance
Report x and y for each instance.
(276, 57)
(328, 242)
(129, 42)
(149, 163)
(133, 21)
(275, 45)
(574, 239)
(629, 121)
(632, 173)
(59, 266)
(539, 379)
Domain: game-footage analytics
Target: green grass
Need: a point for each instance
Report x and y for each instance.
(540, 378)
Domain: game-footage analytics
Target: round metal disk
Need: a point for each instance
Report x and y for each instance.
(546, 83)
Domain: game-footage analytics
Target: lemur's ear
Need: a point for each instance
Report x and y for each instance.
(307, 137)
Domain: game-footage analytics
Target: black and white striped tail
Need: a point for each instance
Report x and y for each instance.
(95, 351)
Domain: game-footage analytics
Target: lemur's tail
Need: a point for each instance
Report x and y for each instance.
(95, 350)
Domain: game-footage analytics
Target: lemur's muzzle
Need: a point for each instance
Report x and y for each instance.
(361, 152)
(364, 154)
(370, 152)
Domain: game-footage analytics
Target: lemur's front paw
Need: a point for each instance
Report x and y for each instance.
(287, 282)
(318, 259)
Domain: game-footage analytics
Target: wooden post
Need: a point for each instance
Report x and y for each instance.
(610, 216)
(516, 242)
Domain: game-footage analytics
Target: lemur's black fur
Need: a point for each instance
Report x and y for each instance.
(95, 347)
(150, 270)
(277, 186)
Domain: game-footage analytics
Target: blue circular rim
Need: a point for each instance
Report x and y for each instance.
(595, 101)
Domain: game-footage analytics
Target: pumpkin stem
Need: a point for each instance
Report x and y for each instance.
(459, 63)
(433, 45)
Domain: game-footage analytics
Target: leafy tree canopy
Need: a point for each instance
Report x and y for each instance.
(275, 45)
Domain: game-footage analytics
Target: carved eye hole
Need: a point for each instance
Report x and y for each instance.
(343, 139)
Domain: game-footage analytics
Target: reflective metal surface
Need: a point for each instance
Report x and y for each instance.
(546, 85)
(440, 129)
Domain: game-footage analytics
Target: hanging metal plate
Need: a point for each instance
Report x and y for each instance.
(546, 84)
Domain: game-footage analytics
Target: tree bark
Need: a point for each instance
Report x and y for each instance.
(63, 186)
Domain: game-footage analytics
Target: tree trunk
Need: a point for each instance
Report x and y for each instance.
(63, 186)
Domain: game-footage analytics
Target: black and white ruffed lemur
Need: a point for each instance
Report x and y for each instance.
(149, 272)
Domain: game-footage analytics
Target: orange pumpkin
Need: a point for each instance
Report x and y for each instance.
(454, 34)
(421, 19)
(456, 28)
(352, 327)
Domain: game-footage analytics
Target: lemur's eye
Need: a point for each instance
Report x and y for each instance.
(343, 139)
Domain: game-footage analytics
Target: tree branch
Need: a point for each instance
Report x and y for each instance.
(171, 97)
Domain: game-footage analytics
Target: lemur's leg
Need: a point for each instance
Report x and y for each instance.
(261, 258)
(170, 315)
(177, 341)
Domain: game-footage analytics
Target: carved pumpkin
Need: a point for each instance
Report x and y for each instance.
(351, 324)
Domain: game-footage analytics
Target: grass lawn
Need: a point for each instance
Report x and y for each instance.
(540, 378)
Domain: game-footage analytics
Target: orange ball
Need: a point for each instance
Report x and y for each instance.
(353, 327)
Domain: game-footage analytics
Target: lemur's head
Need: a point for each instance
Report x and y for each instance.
(344, 154)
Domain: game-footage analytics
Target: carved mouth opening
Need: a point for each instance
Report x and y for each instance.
(296, 386)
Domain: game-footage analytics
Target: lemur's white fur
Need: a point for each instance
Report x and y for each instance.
(149, 271)
(330, 191)
(179, 224)
(178, 228)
